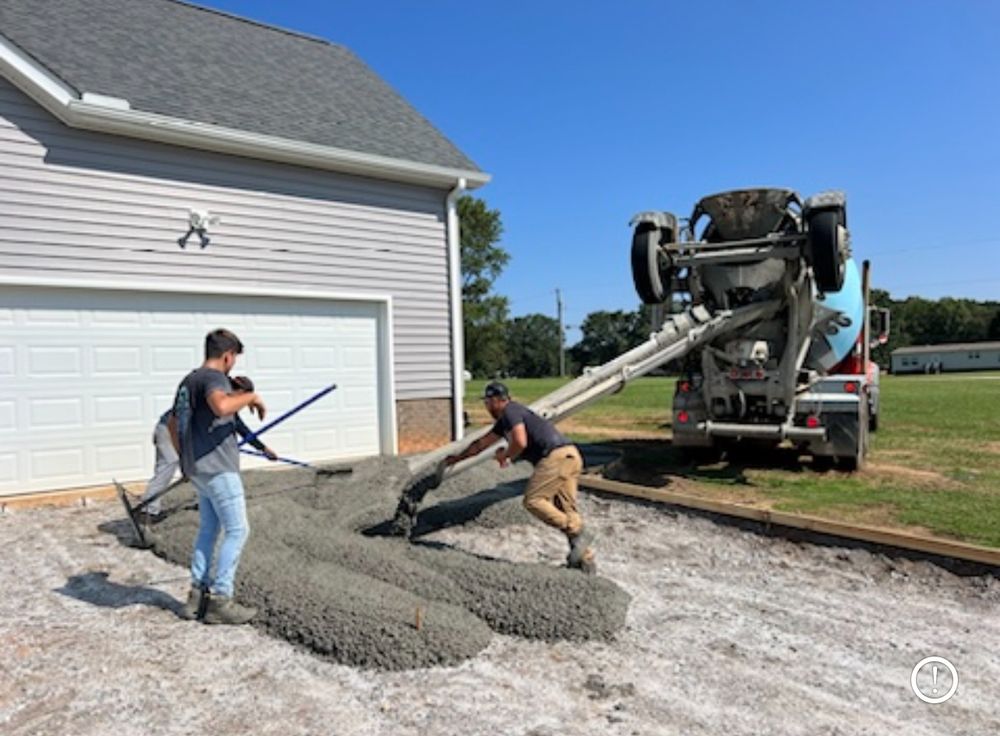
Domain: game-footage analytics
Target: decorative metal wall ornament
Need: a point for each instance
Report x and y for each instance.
(199, 222)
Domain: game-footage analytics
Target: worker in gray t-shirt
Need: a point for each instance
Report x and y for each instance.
(551, 494)
(167, 462)
(204, 427)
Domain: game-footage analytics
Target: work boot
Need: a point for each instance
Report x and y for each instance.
(588, 563)
(224, 610)
(581, 552)
(191, 609)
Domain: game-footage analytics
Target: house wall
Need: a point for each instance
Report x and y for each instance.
(93, 207)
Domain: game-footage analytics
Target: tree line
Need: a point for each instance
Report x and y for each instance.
(527, 346)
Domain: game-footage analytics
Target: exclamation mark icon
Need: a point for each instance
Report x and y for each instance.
(935, 691)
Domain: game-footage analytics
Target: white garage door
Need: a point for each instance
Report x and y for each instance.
(84, 374)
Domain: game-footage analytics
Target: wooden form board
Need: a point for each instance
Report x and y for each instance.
(860, 532)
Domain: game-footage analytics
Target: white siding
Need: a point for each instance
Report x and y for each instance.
(94, 207)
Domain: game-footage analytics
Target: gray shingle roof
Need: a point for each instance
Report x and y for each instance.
(171, 58)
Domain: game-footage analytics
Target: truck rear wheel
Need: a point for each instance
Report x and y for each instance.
(856, 462)
(650, 273)
(825, 249)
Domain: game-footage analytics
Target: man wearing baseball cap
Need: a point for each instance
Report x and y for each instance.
(552, 489)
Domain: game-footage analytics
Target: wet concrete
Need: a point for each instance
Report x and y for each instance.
(325, 577)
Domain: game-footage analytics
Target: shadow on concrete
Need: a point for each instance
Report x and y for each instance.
(454, 512)
(95, 588)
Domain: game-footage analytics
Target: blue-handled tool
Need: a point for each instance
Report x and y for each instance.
(299, 463)
(287, 414)
(132, 511)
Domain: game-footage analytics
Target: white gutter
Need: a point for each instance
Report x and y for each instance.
(455, 304)
(105, 114)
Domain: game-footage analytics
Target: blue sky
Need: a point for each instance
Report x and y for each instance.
(587, 112)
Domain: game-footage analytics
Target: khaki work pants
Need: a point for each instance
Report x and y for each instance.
(551, 491)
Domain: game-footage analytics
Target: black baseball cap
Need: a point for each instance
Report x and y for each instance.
(496, 389)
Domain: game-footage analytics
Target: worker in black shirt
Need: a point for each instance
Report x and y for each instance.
(552, 488)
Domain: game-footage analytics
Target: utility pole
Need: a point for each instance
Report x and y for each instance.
(562, 335)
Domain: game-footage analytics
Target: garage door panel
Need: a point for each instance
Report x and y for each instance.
(110, 410)
(319, 358)
(277, 358)
(58, 463)
(172, 319)
(55, 361)
(103, 317)
(50, 317)
(175, 361)
(8, 469)
(119, 459)
(8, 415)
(117, 361)
(7, 362)
(64, 413)
(87, 374)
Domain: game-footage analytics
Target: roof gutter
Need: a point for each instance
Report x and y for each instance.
(455, 310)
(104, 114)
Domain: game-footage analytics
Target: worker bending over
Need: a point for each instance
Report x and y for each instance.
(552, 489)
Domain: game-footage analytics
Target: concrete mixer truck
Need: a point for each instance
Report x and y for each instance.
(764, 304)
(803, 373)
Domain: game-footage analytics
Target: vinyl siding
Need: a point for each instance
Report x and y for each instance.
(75, 204)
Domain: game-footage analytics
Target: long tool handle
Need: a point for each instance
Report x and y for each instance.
(143, 504)
(294, 410)
(288, 460)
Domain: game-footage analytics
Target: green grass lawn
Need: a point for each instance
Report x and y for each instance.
(934, 465)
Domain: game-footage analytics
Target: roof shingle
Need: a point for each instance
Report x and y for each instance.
(194, 63)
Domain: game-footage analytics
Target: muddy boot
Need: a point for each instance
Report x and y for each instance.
(224, 610)
(588, 563)
(191, 610)
(579, 545)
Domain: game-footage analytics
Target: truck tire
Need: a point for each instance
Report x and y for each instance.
(855, 462)
(652, 280)
(824, 250)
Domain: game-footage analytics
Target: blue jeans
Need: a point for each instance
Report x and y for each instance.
(221, 505)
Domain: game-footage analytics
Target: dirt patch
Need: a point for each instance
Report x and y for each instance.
(321, 582)
(914, 477)
(609, 431)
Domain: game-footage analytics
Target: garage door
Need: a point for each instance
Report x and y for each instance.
(84, 374)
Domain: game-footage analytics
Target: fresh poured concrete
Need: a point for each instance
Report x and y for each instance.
(324, 574)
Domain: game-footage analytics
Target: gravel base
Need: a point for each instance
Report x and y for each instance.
(727, 632)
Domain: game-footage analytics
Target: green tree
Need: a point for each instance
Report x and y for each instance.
(993, 332)
(606, 335)
(485, 313)
(533, 346)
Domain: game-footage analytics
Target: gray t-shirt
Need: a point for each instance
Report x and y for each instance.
(208, 443)
(543, 437)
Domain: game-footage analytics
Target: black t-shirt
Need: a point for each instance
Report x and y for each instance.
(208, 442)
(543, 437)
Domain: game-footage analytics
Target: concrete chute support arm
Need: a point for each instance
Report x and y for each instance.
(680, 334)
